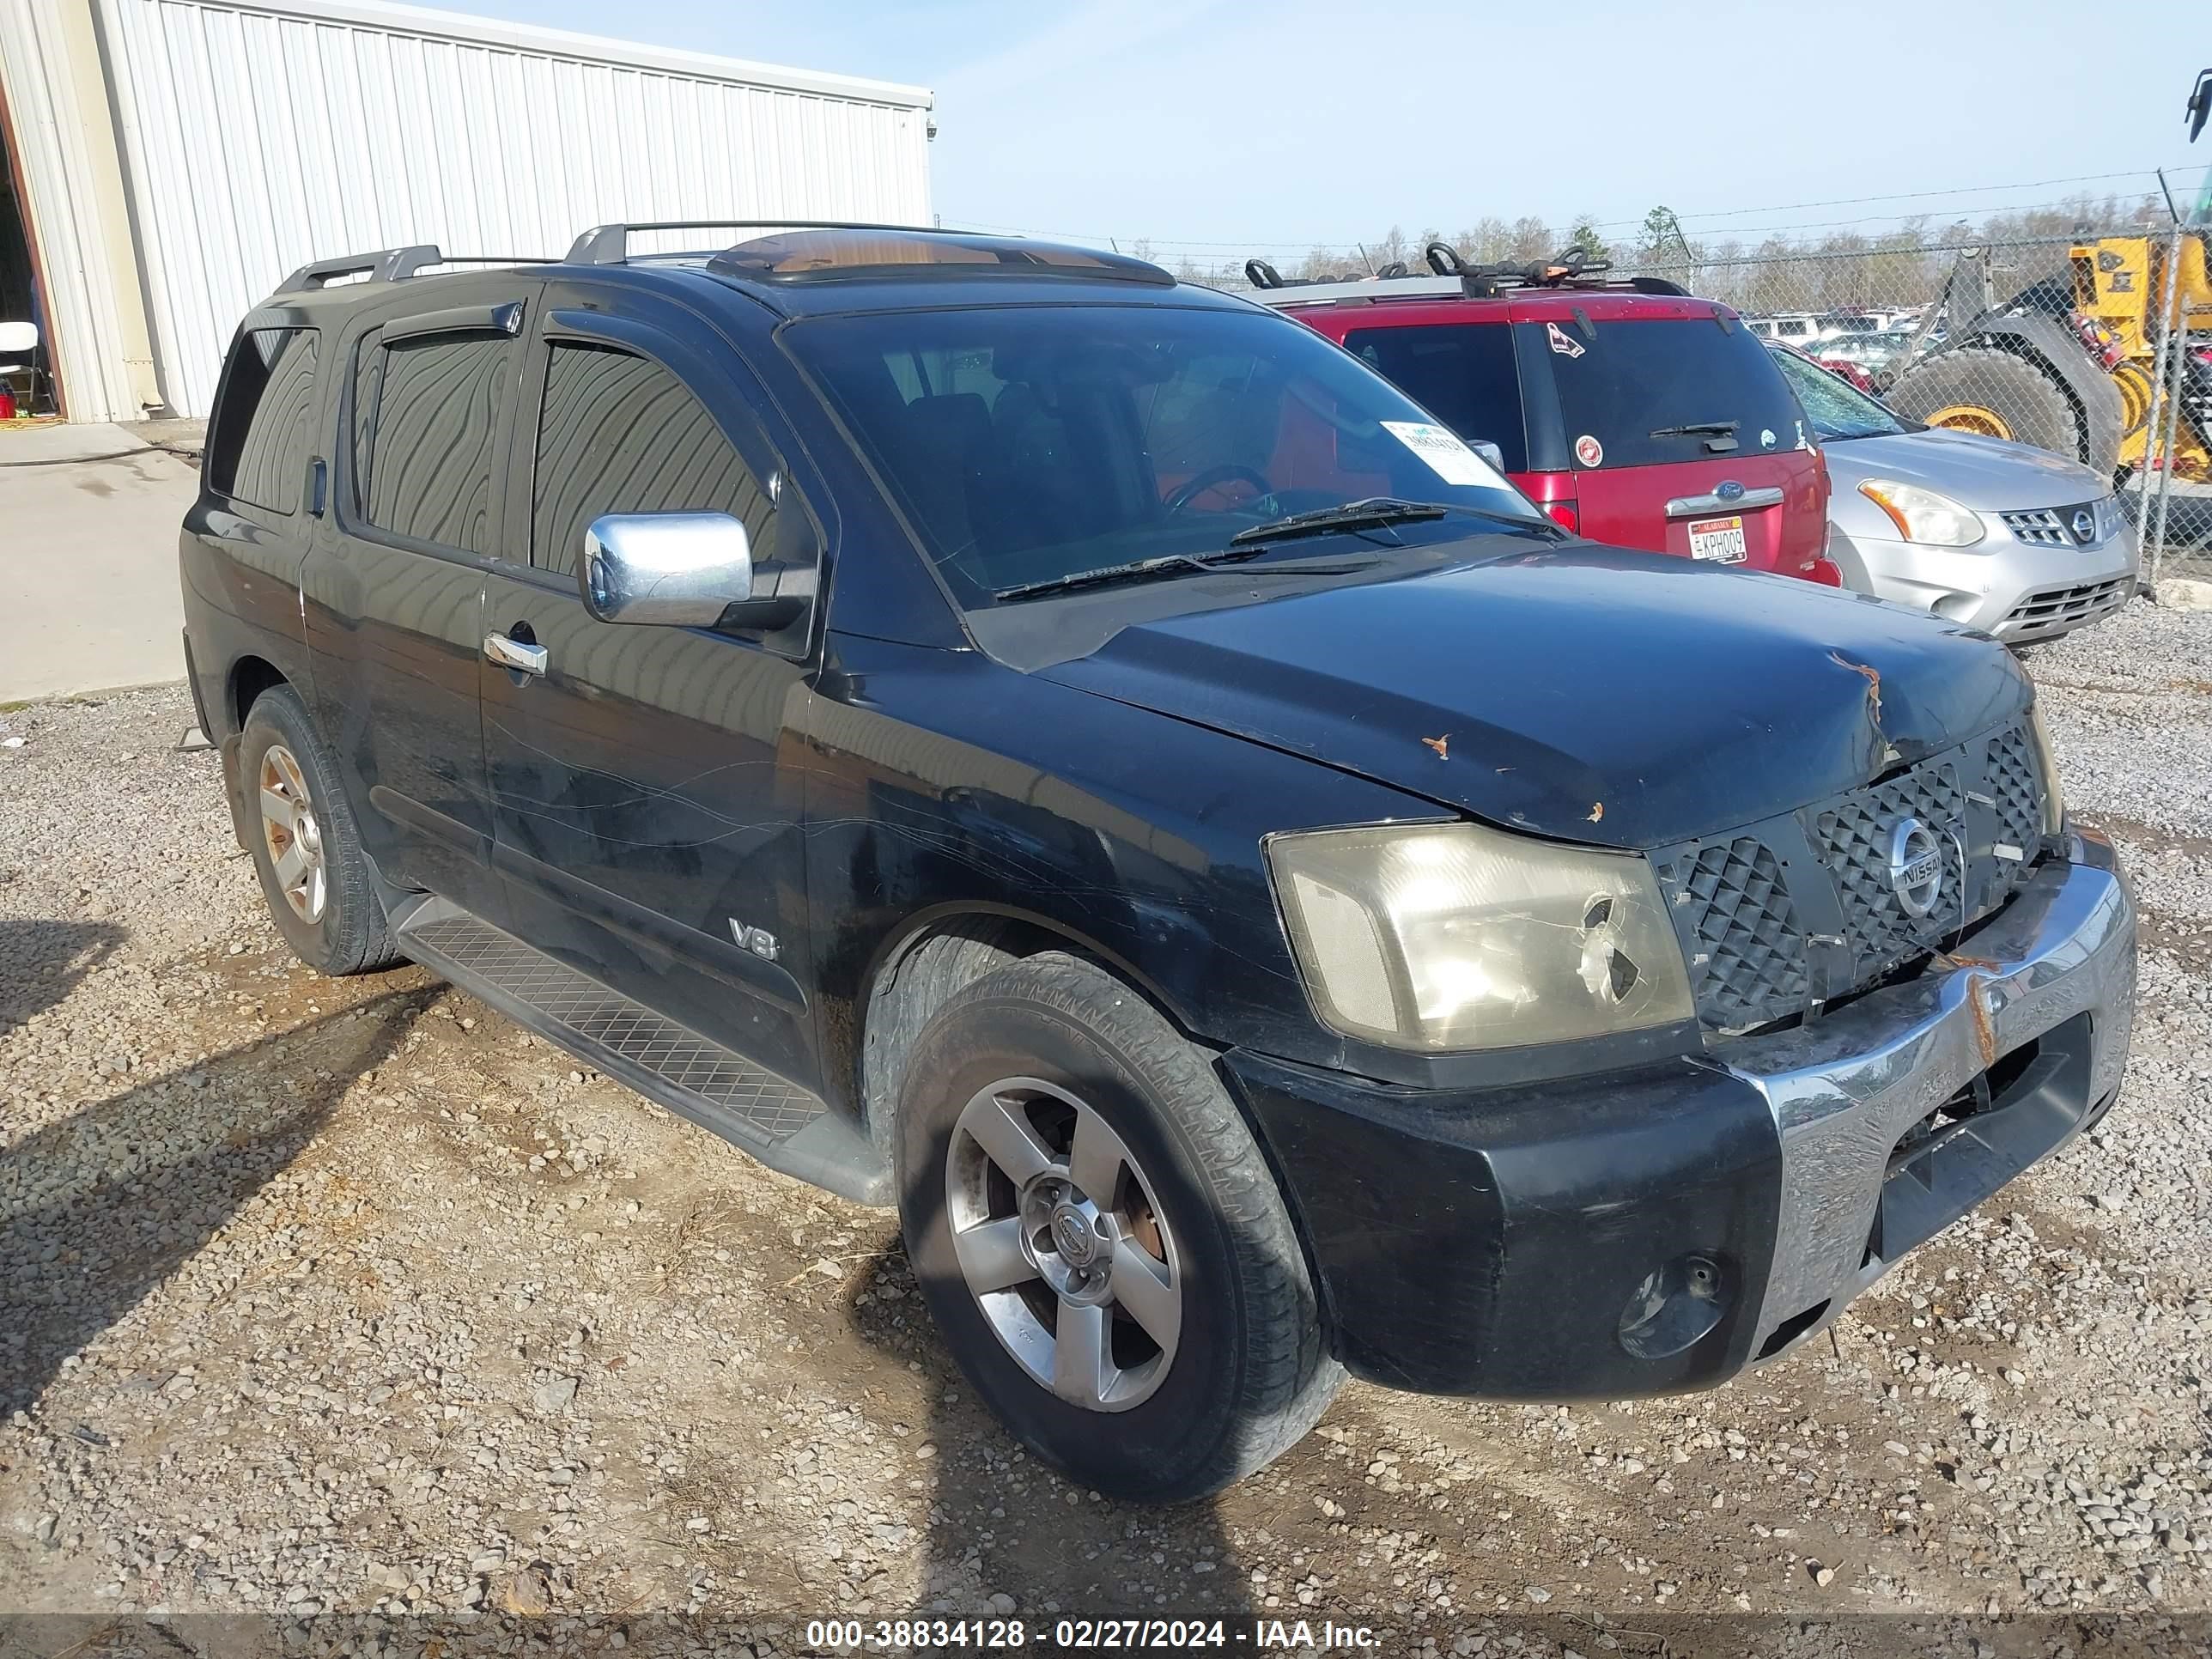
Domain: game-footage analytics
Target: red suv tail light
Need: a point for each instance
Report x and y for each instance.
(1565, 513)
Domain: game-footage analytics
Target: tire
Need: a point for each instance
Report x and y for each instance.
(2027, 406)
(1244, 1375)
(336, 926)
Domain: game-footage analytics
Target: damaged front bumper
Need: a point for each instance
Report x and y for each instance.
(1659, 1230)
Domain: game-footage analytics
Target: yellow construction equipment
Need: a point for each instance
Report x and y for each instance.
(2079, 384)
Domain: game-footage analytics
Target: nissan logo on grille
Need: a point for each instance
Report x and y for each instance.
(1916, 866)
(2085, 525)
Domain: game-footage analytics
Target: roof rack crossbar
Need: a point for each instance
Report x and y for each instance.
(609, 245)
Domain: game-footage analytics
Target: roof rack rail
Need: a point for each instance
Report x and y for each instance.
(393, 264)
(609, 245)
(386, 265)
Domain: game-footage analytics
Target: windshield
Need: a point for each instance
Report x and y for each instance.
(1031, 443)
(1649, 391)
(1838, 409)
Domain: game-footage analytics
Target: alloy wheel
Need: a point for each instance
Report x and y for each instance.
(293, 834)
(1057, 1235)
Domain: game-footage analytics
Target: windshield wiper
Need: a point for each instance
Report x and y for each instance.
(1380, 511)
(1168, 564)
(1697, 429)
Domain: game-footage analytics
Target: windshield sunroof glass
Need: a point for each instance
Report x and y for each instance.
(1027, 443)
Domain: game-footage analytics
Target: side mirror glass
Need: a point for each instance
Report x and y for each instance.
(1489, 452)
(675, 569)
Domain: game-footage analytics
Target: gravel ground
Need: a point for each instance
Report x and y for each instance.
(351, 1299)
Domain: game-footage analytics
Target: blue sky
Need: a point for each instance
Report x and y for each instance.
(1291, 123)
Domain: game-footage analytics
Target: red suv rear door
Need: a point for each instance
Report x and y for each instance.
(1679, 435)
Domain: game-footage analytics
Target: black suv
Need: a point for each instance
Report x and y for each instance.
(979, 724)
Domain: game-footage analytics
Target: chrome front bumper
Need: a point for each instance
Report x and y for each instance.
(2056, 967)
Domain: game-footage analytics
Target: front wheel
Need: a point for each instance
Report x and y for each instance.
(1100, 1240)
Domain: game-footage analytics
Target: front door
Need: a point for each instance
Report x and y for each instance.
(645, 798)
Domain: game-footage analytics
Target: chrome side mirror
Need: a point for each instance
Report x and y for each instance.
(676, 569)
(1489, 452)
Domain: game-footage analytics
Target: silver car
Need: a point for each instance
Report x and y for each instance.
(2014, 541)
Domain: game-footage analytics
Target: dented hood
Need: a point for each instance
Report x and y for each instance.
(1596, 695)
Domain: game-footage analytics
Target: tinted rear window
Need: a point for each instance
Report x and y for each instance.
(258, 452)
(1636, 379)
(1461, 372)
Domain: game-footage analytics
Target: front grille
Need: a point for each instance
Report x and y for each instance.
(2051, 527)
(1853, 840)
(1749, 963)
(2009, 772)
(2050, 606)
(1801, 909)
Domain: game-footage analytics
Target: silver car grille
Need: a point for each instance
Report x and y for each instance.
(2052, 607)
(2052, 526)
(1801, 909)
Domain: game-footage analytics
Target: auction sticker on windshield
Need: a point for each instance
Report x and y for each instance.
(1447, 457)
(1720, 540)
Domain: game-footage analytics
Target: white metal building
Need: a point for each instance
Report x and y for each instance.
(172, 160)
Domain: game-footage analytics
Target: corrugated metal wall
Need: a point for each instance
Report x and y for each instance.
(258, 138)
(76, 263)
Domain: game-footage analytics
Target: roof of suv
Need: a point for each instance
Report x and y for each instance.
(806, 268)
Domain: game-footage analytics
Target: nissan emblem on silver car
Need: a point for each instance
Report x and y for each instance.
(2085, 524)
(1916, 866)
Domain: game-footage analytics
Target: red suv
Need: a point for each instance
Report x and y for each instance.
(1629, 411)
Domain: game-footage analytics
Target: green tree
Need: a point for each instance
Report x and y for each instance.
(1583, 237)
(1663, 242)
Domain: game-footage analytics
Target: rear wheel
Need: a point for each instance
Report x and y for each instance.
(1982, 390)
(1100, 1240)
(321, 892)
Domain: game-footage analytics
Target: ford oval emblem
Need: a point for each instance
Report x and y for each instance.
(1729, 490)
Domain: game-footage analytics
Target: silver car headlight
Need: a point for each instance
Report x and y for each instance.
(1450, 937)
(1922, 515)
(2054, 804)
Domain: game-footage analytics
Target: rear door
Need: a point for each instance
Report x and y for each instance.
(1681, 436)
(393, 597)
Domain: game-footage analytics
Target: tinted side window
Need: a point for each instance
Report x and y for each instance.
(1464, 373)
(430, 441)
(265, 431)
(620, 434)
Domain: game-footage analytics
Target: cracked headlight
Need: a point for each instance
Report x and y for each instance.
(1922, 515)
(1445, 937)
(2054, 804)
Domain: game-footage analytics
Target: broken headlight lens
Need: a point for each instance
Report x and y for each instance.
(2054, 804)
(1449, 936)
(1922, 515)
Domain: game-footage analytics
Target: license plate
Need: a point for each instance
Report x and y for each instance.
(1720, 540)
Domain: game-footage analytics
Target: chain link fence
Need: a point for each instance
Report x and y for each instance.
(2095, 345)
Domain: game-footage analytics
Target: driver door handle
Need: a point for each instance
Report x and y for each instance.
(513, 653)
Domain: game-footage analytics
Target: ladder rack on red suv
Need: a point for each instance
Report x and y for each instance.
(1569, 270)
